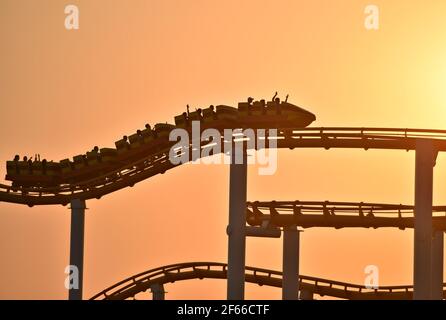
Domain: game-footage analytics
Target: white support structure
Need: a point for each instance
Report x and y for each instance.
(424, 164)
(290, 266)
(236, 229)
(437, 265)
(77, 247)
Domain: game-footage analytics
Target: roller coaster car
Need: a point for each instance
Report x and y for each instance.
(37, 168)
(247, 109)
(226, 113)
(184, 121)
(244, 109)
(142, 144)
(258, 108)
(27, 174)
(108, 155)
(296, 116)
(84, 166)
(195, 116)
(53, 169)
(12, 168)
(72, 171)
(80, 161)
(209, 114)
(148, 135)
(66, 166)
(181, 120)
(274, 114)
(123, 150)
(89, 166)
(93, 158)
(146, 143)
(136, 140)
(162, 130)
(122, 145)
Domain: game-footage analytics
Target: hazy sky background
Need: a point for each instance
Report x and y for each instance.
(132, 62)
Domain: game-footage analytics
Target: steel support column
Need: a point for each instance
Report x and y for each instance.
(77, 247)
(158, 292)
(437, 265)
(290, 265)
(424, 163)
(306, 295)
(236, 229)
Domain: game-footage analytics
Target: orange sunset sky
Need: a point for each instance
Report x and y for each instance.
(135, 62)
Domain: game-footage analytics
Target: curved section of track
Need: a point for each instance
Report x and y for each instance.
(130, 287)
(131, 173)
(308, 214)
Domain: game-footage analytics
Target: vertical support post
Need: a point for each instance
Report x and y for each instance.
(158, 292)
(77, 247)
(236, 227)
(424, 163)
(290, 264)
(306, 295)
(437, 265)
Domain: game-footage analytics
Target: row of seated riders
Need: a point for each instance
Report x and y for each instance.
(155, 136)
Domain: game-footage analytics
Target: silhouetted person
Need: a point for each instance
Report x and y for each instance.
(214, 115)
(274, 97)
(44, 166)
(200, 114)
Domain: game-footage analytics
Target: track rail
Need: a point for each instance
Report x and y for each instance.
(141, 282)
(308, 214)
(132, 173)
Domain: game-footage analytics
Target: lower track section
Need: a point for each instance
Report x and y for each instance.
(308, 286)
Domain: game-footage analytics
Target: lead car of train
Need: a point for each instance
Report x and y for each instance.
(149, 141)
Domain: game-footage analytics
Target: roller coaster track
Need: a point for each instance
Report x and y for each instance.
(141, 282)
(308, 214)
(131, 173)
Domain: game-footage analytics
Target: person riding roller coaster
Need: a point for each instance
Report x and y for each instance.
(144, 145)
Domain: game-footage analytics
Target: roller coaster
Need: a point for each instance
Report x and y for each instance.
(155, 279)
(158, 163)
(145, 153)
